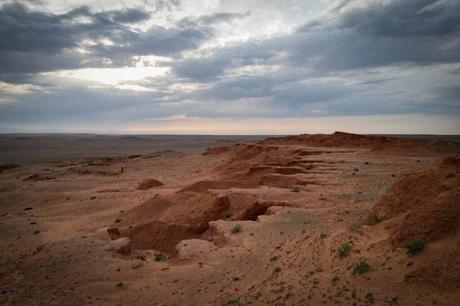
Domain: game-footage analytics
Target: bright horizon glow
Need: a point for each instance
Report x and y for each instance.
(183, 125)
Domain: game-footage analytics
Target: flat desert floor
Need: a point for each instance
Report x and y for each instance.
(337, 219)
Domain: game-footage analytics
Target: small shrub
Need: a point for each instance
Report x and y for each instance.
(361, 267)
(296, 189)
(375, 219)
(354, 227)
(322, 236)
(159, 257)
(370, 297)
(277, 270)
(414, 246)
(233, 302)
(335, 279)
(237, 229)
(288, 295)
(344, 250)
(274, 258)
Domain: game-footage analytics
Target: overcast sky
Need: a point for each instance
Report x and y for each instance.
(230, 66)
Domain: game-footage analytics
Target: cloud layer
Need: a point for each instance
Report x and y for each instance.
(227, 60)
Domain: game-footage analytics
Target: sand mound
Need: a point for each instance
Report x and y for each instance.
(253, 211)
(164, 221)
(204, 186)
(338, 139)
(281, 181)
(163, 236)
(442, 272)
(37, 177)
(216, 150)
(103, 161)
(375, 143)
(149, 183)
(163, 153)
(424, 205)
(7, 167)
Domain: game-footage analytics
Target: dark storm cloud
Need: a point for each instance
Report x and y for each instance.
(241, 87)
(73, 102)
(202, 69)
(16, 65)
(449, 93)
(35, 41)
(353, 42)
(157, 40)
(26, 31)
(282, 90)
(130, 16)
(405, 18)
(300, 93)
(209, 68)
(337, 50)
(418, 32)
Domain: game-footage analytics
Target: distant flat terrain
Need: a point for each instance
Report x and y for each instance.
(43, 148)
(26, 149)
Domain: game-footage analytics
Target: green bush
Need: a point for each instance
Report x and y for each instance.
(233, 302)
(159, 257)
(335, 279)
(361, 267)
(375, 219)
(344, 250)
(414, 246)
(237, 229)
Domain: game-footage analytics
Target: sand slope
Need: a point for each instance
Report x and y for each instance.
(248, 224)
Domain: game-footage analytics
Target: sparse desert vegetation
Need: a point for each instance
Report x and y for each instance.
(237, 229)
(344, 250)
(229, 227)
(229, 153)
(159, 256)
(414, 246)
(361, 267)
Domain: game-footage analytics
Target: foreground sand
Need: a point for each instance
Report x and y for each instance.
(249, 224)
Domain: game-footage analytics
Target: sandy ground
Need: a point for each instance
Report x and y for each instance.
(44, 148)
(256, 224)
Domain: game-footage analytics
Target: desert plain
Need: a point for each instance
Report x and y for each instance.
(339, 219)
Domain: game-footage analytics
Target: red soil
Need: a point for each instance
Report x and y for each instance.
(423, 204)
(149, 183)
